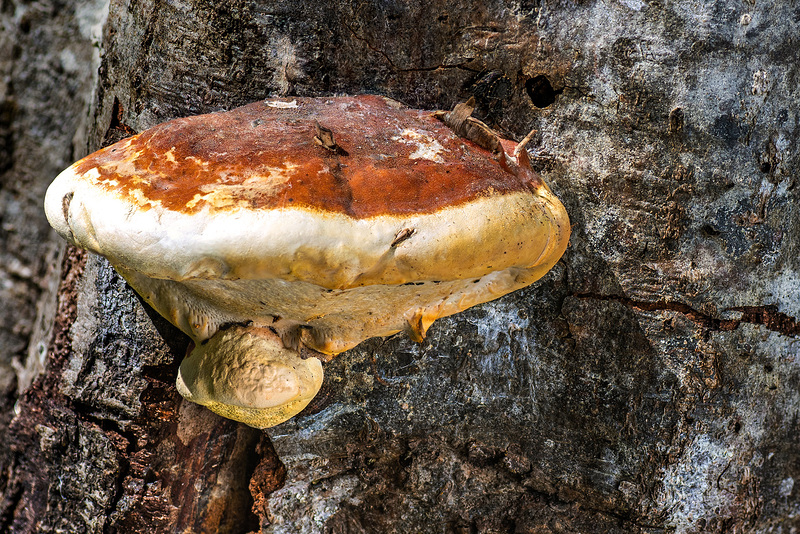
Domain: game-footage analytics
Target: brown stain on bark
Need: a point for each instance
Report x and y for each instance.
(269, 475)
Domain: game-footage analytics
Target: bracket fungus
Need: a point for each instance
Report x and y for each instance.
(285, 232)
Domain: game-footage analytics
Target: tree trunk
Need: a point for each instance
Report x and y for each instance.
(649, 383)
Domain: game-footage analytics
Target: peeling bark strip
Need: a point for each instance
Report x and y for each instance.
(468, 127)
(767, 315)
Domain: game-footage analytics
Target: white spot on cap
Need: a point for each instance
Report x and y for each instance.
(267, 181)
(427, 147)
(281, 105)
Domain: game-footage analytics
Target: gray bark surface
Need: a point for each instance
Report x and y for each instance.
(649, 383)
(46, 63)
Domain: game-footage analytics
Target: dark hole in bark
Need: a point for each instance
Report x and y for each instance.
(541, 92)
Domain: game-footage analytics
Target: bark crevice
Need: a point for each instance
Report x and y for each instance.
(763, 315)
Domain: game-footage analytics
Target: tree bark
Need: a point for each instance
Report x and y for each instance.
(649, 383)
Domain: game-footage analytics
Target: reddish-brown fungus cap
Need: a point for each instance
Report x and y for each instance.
(391, 161)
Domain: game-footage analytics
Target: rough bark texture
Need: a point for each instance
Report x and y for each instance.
(649, 383)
